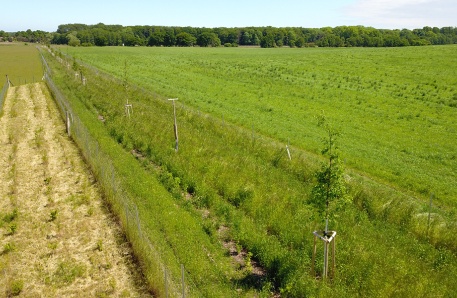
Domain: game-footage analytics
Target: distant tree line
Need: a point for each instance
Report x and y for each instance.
(26, 36)
(266, 37)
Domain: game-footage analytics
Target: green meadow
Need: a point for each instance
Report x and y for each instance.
(20, 62)
(395, 107)
(231, 183)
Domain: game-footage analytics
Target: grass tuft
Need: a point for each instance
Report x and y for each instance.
(15, 288)
(65, 274)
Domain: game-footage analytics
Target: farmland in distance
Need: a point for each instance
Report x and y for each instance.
(20, 62)
(395, 107)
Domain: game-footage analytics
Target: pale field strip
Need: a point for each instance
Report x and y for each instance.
(65, 244)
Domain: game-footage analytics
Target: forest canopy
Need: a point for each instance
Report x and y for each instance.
(266, 37)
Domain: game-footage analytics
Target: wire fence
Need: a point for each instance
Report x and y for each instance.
(16, 80)
(111, 184)
(4, 92)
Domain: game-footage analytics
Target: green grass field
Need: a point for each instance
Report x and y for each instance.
(394, 107)
(20, 62)
(235, 185)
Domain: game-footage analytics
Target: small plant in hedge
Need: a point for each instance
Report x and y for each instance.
(249, 267)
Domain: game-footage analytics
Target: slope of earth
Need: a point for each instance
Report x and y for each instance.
(57, 239)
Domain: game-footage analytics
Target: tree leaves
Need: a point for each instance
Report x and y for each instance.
(330, 192)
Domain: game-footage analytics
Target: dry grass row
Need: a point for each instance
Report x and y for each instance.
(57, 239)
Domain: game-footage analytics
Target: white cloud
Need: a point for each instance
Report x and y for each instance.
(398, 14)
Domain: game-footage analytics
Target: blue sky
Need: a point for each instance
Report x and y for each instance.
(389, 14)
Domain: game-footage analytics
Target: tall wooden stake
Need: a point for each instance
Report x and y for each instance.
(175, 123)
(327, 237)
(333, 257)
(325, 271)
(288, 150)
(128, 107)
(68, 123)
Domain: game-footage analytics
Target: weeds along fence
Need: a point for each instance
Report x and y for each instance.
(165, 283)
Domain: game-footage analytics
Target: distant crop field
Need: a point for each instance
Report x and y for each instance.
(395, 107)
(21, 62)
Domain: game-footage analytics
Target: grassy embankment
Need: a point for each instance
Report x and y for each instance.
(231, 181)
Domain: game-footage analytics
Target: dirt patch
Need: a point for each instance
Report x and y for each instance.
(56, 237)
(240, 256)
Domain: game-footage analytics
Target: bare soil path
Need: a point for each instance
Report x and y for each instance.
(56, 237)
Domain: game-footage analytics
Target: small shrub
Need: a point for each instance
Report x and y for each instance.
(249, 267)
(241, 196)
(52, 245)
(10, 216)
(16, 288)
(172, 184)
(53, 215)
(65, 274)
(90, 211)
(8, 247)
(13, 228)
(99, 246)
(47, 181)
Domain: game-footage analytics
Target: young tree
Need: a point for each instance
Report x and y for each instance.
(330, 186)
